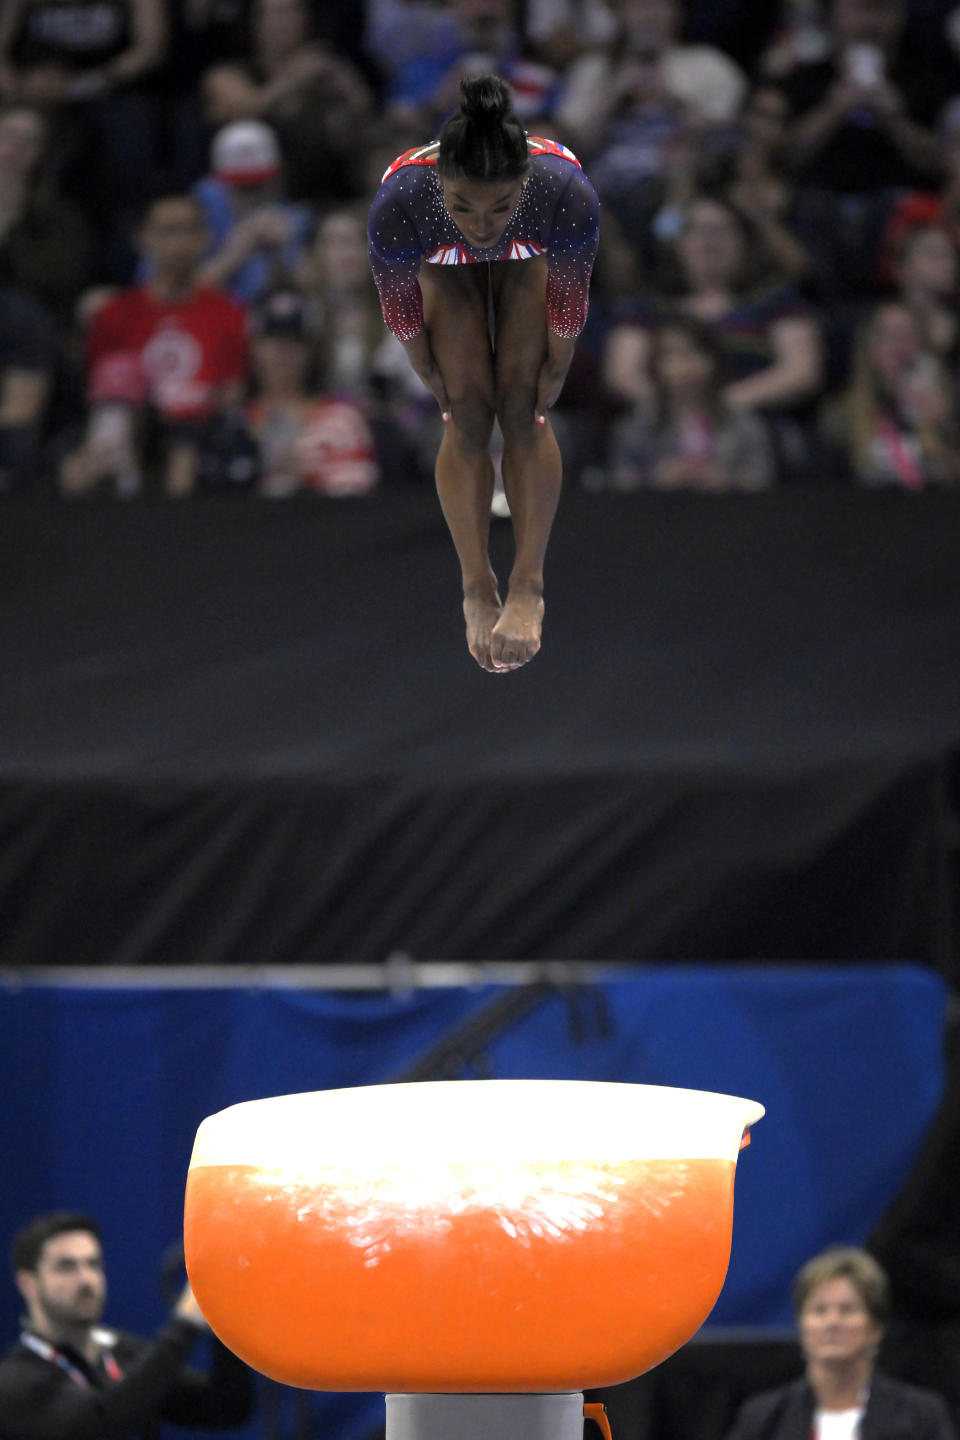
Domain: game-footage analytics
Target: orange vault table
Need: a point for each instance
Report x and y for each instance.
(482, 1237)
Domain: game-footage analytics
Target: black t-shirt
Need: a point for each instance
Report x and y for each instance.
(63, 1398)
(77, 34)
(859, 156)
(27, 337)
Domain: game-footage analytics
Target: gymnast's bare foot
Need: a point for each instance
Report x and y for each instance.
(515, 638)
(481, 610)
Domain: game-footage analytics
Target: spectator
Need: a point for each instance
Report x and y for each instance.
(865, 116)
(202, 35)
(894, 424)
(258, 235)
(751, 169)
(716, 271)
(397, 32)
(864, 130)
(45, 244)
(644, 109)
(841, 1305)
(687, 437)
(927, 272)
(381, 149)
(799, 35)
(67, 1378)
(91, 62)
(644, 58)
(162, 359)
(307, 440)
(914, 208)
(28, 365)
(316, 100)
(560, 31)
(358, 357)
(88, 48)
(479, 37)
(760, 181)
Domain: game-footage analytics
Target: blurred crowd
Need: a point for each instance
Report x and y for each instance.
(186, 304)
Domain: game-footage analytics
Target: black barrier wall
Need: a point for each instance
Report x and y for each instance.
(251, 732)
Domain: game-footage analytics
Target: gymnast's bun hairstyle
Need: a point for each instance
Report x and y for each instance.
(484, 139)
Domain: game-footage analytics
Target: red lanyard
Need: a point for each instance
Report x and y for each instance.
(907, 469)
(49, 1352)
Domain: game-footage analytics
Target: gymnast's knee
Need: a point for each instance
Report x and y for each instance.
(473, 419)
(516, 410)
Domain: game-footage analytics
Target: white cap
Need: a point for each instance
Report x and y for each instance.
(245, 152)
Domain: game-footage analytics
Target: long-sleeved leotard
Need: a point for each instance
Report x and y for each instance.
(558, 216)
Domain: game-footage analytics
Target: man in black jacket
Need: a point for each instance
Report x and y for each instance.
(68, 1378)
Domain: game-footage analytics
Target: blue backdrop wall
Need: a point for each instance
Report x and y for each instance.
(105, 1089)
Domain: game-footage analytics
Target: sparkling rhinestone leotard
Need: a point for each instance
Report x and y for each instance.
(558, 216)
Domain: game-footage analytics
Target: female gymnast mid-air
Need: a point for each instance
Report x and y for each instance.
(482, 245)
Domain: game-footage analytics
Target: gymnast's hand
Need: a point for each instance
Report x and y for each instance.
(422, 359)
(553, 372)
(434, 383)
(549, 385)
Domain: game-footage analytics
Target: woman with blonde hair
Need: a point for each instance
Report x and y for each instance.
(894, 423)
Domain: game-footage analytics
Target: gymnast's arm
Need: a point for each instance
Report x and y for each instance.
(395, 257)
(572, 251)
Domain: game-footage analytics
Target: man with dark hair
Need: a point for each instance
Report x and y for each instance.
(68, 1378)
(162, 358)
(27, 1245)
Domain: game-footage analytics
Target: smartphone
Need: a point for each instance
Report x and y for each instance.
(864, 64)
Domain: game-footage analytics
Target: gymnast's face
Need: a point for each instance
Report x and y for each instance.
(481, 209)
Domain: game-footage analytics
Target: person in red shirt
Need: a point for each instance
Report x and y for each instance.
(162, 359)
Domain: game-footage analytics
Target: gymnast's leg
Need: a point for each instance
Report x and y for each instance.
(532, 467)
(455, 300)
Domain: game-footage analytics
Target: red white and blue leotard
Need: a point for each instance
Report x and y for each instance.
(558, 216)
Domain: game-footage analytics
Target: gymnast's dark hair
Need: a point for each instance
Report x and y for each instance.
(484, 139)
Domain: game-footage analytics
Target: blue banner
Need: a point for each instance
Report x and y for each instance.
(106, 1088)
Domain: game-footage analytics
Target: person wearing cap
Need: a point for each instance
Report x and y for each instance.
(307, 440)
(258, 236)
(307, 88)
(918, 209)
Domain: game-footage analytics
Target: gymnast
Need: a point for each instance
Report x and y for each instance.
(481, 246)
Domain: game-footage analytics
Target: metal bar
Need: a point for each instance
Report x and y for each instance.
(396, 974)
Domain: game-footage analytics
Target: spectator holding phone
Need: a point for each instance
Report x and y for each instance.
(864, 131)
(865, 117)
